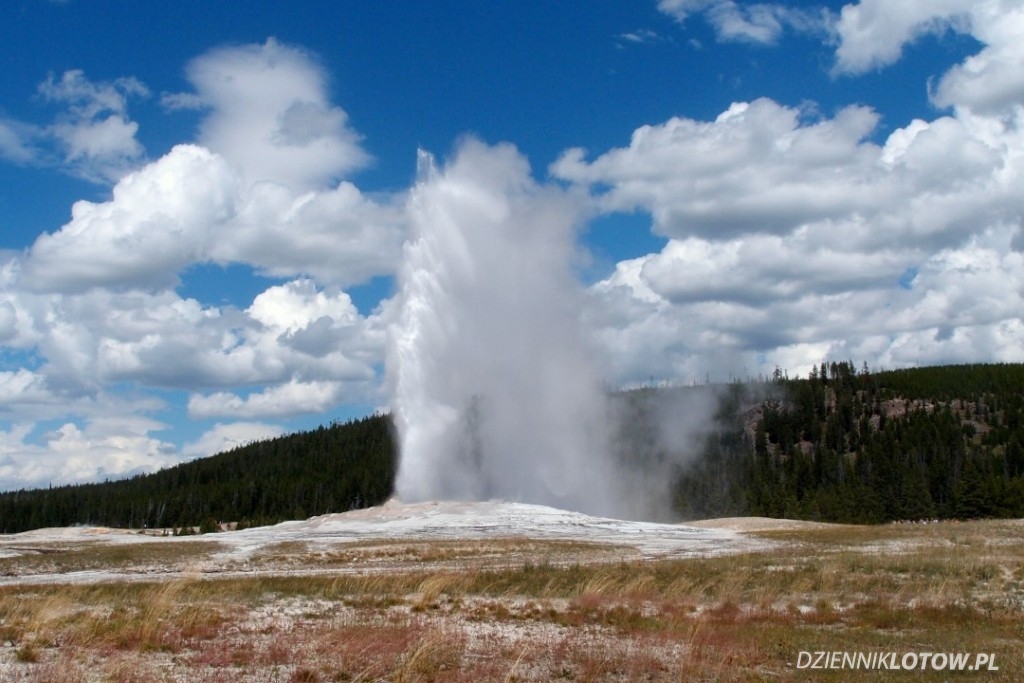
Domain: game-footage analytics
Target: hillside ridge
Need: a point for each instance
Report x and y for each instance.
(842, 445)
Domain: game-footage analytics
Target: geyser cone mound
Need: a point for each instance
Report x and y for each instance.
(480, 520)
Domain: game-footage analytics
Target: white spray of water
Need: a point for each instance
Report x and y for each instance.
(494, 390)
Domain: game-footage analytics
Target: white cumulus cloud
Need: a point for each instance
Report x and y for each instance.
(159, 220)
(261, 189)
(92, 136)
(291, 398)
(271, 115)
(93, 306)
(753, 22)
(94, 133)
(795, 237)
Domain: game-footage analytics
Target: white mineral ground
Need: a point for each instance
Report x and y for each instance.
(396, 522)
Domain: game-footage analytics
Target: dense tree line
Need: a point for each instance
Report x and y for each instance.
(853, 446)
(843, 445)
(330, 469)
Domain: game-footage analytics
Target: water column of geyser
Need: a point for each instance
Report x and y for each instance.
(494, 392)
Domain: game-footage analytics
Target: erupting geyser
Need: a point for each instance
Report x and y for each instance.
(494, 390)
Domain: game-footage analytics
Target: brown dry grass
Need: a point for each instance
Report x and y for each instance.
(390, 554)
(152, 555)
(939, 588)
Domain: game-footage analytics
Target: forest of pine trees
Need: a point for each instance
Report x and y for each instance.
(843, 445)
(849, 446)
(330, 469)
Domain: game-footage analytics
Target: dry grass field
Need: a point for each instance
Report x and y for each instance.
(512, 608)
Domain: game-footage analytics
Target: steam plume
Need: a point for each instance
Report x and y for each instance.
(494, 390)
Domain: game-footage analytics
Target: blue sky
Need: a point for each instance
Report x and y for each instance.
(203, 205)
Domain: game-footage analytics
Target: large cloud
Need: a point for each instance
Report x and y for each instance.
(191, 207)
(93, 308)
(339, 236)
(760, 167)
(104, 448)
(767, 301)
(795, 237)
(306, 346)
(271, 115)
(161, 339)
(262, 190)
(160, 219)
(283, 400)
